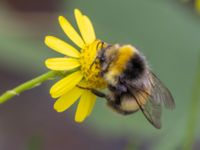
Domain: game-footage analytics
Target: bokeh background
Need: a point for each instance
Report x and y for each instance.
(166, 31)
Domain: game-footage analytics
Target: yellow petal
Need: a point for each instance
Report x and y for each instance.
(61, 46)
(90, 30)
(81, 24)
(85, 27)
(62, 64)
(66, 84)
(70, 31)
(85, 106)
(93, 100)
(68, 99)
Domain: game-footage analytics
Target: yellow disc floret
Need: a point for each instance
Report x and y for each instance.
(90, 67)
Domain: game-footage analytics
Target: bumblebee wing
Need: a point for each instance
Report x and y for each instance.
(158, 96)
(160, 93)
(152, 112)
(151, 109)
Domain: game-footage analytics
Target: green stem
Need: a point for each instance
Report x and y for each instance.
(26, 86)
(193, 114)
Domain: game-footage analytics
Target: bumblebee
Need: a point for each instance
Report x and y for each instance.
(132, 85)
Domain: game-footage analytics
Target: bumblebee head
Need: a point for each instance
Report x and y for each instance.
(107, 56)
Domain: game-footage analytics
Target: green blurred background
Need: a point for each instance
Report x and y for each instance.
(166, 31)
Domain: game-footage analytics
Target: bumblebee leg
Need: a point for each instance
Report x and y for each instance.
(101, 94)
(98, 93)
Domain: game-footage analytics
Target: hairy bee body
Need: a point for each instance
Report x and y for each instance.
(126, 66)
(132, 86)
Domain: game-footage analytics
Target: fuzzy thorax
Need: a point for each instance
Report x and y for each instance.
(123, 55)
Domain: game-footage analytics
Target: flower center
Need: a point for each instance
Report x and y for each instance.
(90, 67)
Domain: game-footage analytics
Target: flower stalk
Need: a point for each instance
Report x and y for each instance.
(27, 85)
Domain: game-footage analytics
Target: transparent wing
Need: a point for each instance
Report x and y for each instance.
(160, 93)
(151, 109)
(158, 96)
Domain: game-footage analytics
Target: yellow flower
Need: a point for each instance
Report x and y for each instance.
(79, 62)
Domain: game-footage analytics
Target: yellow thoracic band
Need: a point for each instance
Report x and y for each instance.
(125, 53)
